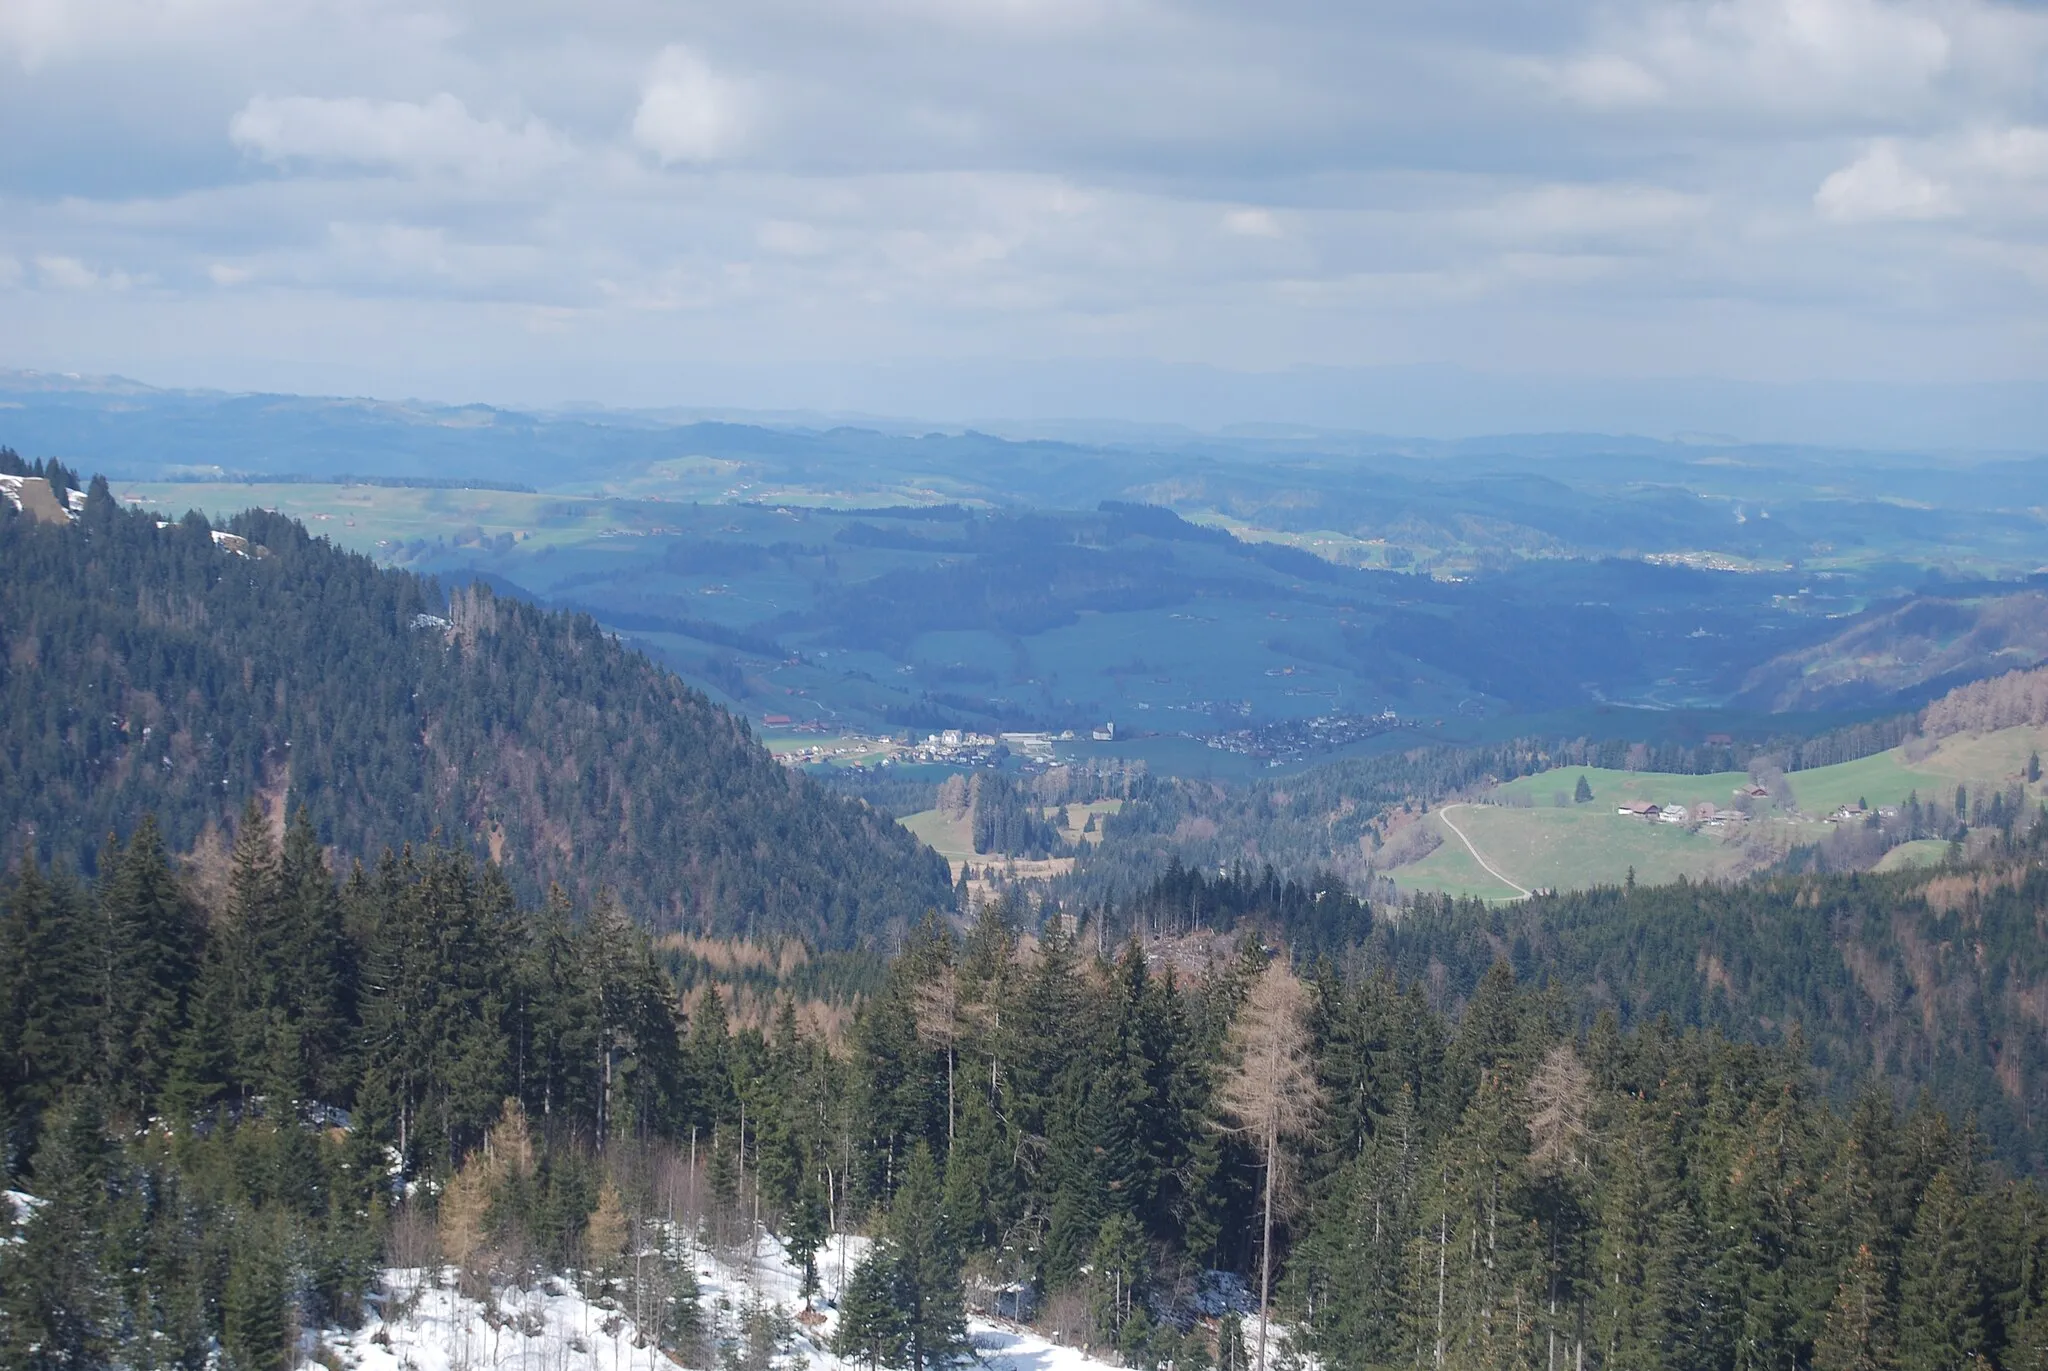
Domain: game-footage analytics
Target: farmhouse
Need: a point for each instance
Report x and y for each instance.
(1641, 809)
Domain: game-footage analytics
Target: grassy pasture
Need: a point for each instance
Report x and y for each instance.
(950, 838)
(1568, 849)
(1612, 789)
(1922, 852)
(1883, 779)
(1539, 844)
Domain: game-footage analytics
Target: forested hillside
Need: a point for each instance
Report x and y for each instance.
(1925, 981)
(152, 669)
(409, 1069)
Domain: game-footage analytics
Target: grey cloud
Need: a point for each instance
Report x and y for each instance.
(1817, 187)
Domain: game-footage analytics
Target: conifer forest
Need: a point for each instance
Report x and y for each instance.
(274, 1065)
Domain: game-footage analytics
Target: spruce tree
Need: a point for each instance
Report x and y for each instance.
(802, 1235)
(1118, 1274)
(48, 1013)
(255, 1311)
(155, 941)
(978, 1175)
(680, 1329)
(1858, 1333)
(316, 975)
(927, 1264)
(872, 1327)
(1941, 1297)
(250, 942)
(59, 1291)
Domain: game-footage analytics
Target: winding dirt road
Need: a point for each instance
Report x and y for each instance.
(1444, 813)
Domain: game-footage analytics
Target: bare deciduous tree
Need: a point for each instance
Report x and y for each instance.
(1271, 1092)
(937, 1006)
(1560, 1097)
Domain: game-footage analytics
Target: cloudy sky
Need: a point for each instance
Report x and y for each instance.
(796, 202)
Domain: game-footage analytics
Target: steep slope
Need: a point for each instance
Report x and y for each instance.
(150, 668)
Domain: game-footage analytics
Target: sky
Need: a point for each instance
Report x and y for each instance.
(1037, 206)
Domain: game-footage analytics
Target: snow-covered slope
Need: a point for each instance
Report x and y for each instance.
(426, 1325)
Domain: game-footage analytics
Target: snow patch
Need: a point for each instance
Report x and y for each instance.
(419, 1324)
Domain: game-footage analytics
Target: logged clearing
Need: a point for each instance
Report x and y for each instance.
(953, 838)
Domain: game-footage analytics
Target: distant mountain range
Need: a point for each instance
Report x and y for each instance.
(1620, 570)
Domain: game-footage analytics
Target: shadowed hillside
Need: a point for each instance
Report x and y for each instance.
(156, 668)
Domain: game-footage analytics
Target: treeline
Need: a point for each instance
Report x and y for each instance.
(1786, 752)
(148, 670)
(2015, 700)
(1321, 916)
(1333, 817)
(415, 996)
(908, 789)
(1986, 818)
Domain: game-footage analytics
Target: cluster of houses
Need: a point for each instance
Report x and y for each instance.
(1710, 815)
(1705, 813)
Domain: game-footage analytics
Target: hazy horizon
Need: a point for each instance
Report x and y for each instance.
(1797, 220)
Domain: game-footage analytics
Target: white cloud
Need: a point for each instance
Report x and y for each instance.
(1575, 210)
(790, 238)
(61, 272)
(1608, 79)
(1765, 56)
(688, 112)
(1252, 223)
(1260, 186)
(2019, 153)
(439, 136)
(1880, 185)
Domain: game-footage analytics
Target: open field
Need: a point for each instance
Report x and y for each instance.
(948, 837)
(1921, 852)
(1612, 789)
(1535, 843)
(1887, 778)
(1574, 848)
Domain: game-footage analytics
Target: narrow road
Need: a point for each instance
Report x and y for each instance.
(1444, 813)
